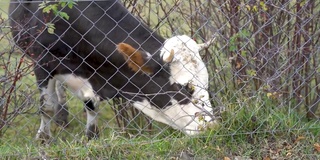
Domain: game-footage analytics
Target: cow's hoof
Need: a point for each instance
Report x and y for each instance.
(44, 138)
(61, 116)
(92, 132)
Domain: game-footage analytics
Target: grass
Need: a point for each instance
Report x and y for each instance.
(248, 129)
(4, 8)
(251, 127)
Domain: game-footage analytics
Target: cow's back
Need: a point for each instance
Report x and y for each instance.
(93, 27)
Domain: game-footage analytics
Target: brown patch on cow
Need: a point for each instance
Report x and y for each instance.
(134, 58)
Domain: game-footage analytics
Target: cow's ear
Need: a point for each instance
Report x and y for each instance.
(134, 58)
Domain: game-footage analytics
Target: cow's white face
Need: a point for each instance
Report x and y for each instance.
(187, 69)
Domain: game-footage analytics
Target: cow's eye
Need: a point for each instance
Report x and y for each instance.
(176, 87)
(187, 89)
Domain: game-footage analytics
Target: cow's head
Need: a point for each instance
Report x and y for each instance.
(188, 78)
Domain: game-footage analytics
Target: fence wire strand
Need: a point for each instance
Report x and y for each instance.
(263, 75)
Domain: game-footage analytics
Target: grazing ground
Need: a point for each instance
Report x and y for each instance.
(251, 128)
(257, 134)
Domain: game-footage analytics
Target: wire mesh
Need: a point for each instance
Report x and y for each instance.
(263, 79)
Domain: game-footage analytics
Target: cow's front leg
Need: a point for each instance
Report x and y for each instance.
(92, 130)
(49, 101)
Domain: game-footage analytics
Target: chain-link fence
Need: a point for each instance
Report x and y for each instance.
(264, 77)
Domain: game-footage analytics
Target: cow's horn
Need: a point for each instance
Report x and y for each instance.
(170, 57)
(205, 45)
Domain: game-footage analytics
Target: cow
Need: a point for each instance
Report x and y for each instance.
(101, 52)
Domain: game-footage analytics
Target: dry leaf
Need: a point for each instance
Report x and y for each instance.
(238, 65)
(226, 158)
(317, 147)
(299, 139)
(267, 158)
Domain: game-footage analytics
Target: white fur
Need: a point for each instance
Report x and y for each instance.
(92, 118)
(181, 117)
(187, 64)
(60, 90)
(79, 86)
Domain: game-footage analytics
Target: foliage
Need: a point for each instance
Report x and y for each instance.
(55, 8)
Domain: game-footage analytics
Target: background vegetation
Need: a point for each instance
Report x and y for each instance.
(264, 72)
